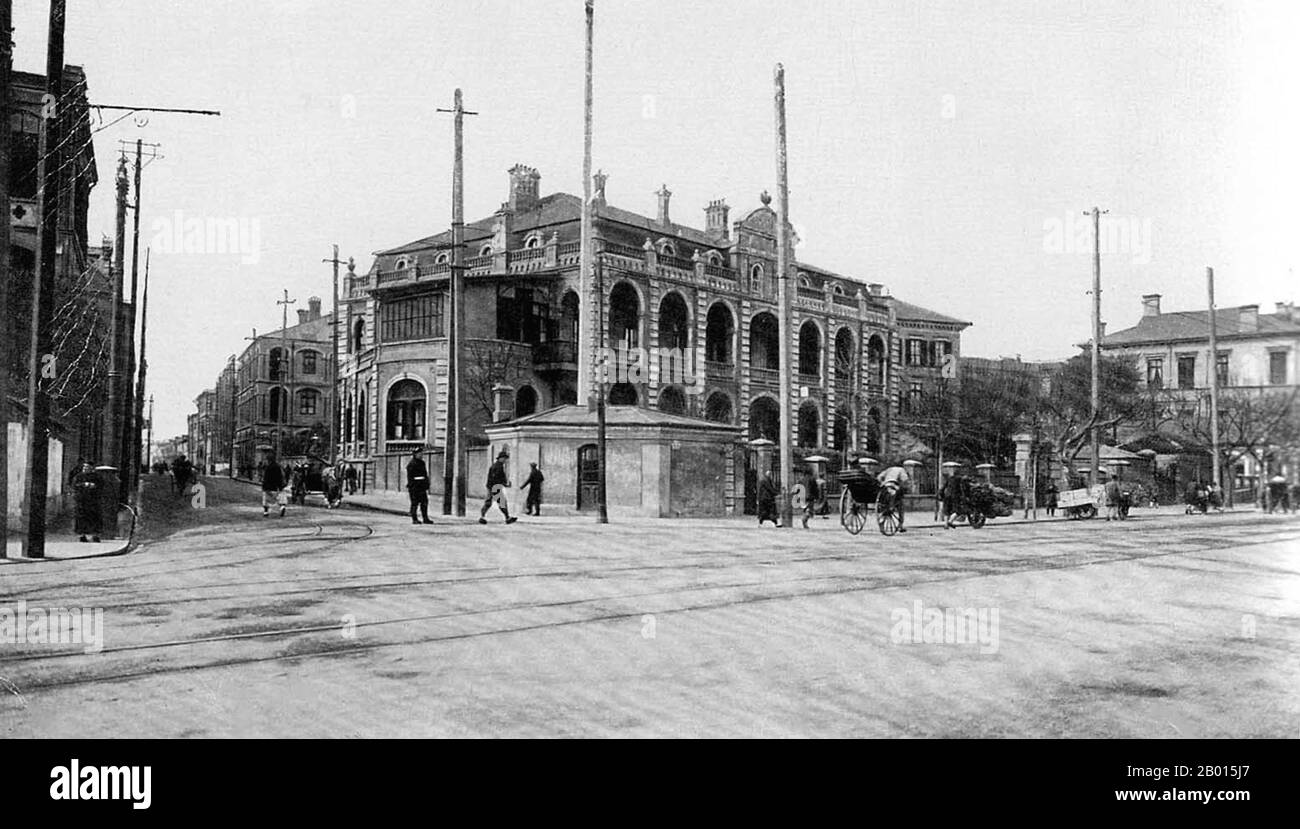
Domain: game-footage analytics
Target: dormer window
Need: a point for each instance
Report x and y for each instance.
(441, 259)
(401, 264)
(715, 259)
(486, 250)
(533, 241)
(666, 248)
(837, 289)
(803, 281)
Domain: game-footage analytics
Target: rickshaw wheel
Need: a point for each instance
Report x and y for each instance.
(853, 515)
(886, 517)
(1090, 511)
(976, 520)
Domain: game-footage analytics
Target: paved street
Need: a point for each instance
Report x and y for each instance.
(356, 623)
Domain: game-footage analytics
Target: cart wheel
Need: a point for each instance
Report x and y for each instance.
(853, 515)
(885, 515)
(1089, 511)
(977, 520)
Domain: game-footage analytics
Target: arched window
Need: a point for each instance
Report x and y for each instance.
(672, 401)
(400, 264)
(718, 408)
(309, 361)
(803, 281)
(358, 334)
(533, 241)
(845, 361)
(719, 335)
(809, 425)
(764, 419)
(362, 436)
(277, 365)
(486, 250)
(810, 349)
(764, 343)
(406, 406)
(674, 323)
(623, 394)
(876, 360)
(348, 434)
(714, 259)
(624, 317)
(525, 401)
(277, 408)
(756, 279)
(442, 259)
(308, 402)
(667, 248)
(569, 314)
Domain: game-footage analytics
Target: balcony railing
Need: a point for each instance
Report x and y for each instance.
(765, 377)
(556, 351)
(624, 250)
(721, 272)
(844, 301)
(676, 262)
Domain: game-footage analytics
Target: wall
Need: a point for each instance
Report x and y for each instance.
(17, 472)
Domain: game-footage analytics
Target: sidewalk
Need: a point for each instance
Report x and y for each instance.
(66, 548)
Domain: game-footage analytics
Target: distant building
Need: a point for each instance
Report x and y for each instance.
(1256, 358)
(284, 393)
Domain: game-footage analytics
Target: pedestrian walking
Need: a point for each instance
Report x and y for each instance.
(811, 494)
(417, 487)
(955, 495)
(1050, 495)
(272, 485)
(350, 476)
(496, 488)
(533, 503)
(767, 492)
(1113, 498)
(85, 488)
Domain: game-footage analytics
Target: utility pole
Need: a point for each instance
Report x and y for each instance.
(585, 273)
(453, 469)
(1096, 344)
(40, 360)
(286, 362)
(253, 413)
(148, 446)
(137, 418)
(128, 471)
(783, 296)
(6, 65)
(336, 442)
(234, 410)
(1214, 383)
(112, 417)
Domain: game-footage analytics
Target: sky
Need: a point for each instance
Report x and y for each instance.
(948, 150)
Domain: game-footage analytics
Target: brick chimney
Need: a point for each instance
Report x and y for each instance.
(1248, 319)
(715, 218)
(302, 315)
(1151, 305)
(1286, 310)
(598, 184)
(313, 308)
(525, 184)
(664, 195)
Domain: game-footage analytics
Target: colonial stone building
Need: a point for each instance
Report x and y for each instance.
(678, 319)
(284, 384)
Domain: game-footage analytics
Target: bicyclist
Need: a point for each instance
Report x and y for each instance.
(895, 481)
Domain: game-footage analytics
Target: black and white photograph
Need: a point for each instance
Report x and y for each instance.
(603, 369)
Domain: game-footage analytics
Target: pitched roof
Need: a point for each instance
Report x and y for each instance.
(1195, 325)
(908, 311)
(317, 330)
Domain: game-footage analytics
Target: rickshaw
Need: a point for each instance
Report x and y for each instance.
(861, 492)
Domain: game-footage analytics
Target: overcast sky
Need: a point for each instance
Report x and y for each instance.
(946, 149)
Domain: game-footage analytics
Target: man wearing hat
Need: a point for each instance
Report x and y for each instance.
(895, 480)
(417, 486)
(496, 487)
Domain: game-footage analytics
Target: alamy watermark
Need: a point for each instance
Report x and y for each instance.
(1119, 235)
(632, 365)
(179, 233)
(23, 625)
(945, 626)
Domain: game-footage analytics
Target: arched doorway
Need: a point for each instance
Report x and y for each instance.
(809, 425)
(674, 323)
(764, 419)
(672, 400)
(719, 335)
(845, 358)
(764, 342)
(569, 316)
(588, 476)
(624, 317)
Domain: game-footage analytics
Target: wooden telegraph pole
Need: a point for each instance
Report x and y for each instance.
(1096, 345)
(41, 365)
(453, 469)
(336, 439)
(1214, 383)
(783, 297)
(6, 64)
(286, 362)
(586, 270)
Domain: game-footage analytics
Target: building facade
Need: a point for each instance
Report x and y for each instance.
(678, 319)
(1256, 373)
(283, 393)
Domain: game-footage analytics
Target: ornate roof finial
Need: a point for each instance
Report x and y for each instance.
(766, 198)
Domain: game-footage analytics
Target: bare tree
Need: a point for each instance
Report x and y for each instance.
(488, 363)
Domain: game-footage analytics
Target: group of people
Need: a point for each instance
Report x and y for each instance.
(811, 492)
(1201, 497)
(498, 481)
